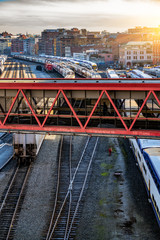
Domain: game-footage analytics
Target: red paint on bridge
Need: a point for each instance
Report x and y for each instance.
(104, 88)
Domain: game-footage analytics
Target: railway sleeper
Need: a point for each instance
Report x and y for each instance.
(24, 160)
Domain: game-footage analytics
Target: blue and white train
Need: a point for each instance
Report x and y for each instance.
(138, 74)
(3, 58)
(111, 73)
(147, 153)
(6, 148)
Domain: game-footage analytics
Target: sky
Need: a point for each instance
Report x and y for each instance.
(33, 16)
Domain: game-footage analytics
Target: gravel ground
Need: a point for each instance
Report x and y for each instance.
(116, 207)
(36, 206)
(38, 74)
(5, 175)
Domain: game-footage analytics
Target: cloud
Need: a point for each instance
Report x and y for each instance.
(112, 15)
(6, 0)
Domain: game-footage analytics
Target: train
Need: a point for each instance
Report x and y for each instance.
(111, 73)
(65, 66)
(49, 65)
(84, 72)
(147, 154)
(60, 68)
(137, 74)
(35, 59)
(154, 71)
(6, 148)
(84, 63)
(3, 59)
(88, 64)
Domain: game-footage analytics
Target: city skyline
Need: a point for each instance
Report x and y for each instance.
(113, 16)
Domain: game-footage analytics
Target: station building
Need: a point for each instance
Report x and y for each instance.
(136, 53)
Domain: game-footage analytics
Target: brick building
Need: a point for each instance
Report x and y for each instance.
(63, 42)
(17, 46)
(156, 50)
(23, 45)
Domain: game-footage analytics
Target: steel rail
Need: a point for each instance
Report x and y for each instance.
(10, 206)
(7, 69)
(82, 190)
(57, 189)
(18, 201)
(53, 226)
(9, 188)
(69, 193)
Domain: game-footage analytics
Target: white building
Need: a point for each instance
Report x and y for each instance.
(67, 51)
(81, 56)
(136, 53)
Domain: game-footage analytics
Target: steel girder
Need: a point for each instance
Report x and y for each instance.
(41, 123)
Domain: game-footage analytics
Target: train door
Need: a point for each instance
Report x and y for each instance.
(136, 153)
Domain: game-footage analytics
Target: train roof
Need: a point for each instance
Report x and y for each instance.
(141, 74)
(149, 143)
(2, 134)
(154, 156)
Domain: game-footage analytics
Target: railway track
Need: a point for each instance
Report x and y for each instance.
(7, 69)
(12, 201)
(21, 72)
(17, 70)
(71, 185)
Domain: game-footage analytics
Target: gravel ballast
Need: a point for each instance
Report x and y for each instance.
(116, 206)
(34, 214)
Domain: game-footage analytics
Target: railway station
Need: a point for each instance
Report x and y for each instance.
(78, 123)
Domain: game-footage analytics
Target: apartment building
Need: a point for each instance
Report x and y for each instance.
(63, 42)
(156, 50)
(5, 45)
(23, 45)
(136, 53)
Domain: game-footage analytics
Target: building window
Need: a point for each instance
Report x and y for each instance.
(128, 52)
(149, 51)
(134, 57)
(141, 57)
(135, 52)
(128, 57)
(148, 57)
(141, 52)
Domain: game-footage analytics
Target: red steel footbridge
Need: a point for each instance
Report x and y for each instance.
(109, 107)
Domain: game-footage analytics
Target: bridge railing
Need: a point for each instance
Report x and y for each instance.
(121, 109)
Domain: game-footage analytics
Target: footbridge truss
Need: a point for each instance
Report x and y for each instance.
(97, 108)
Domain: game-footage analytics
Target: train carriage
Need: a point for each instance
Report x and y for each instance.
(147, 153)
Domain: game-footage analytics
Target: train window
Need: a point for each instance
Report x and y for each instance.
(157, 210)
(139, 156)
(144, 169)
(133, 147)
